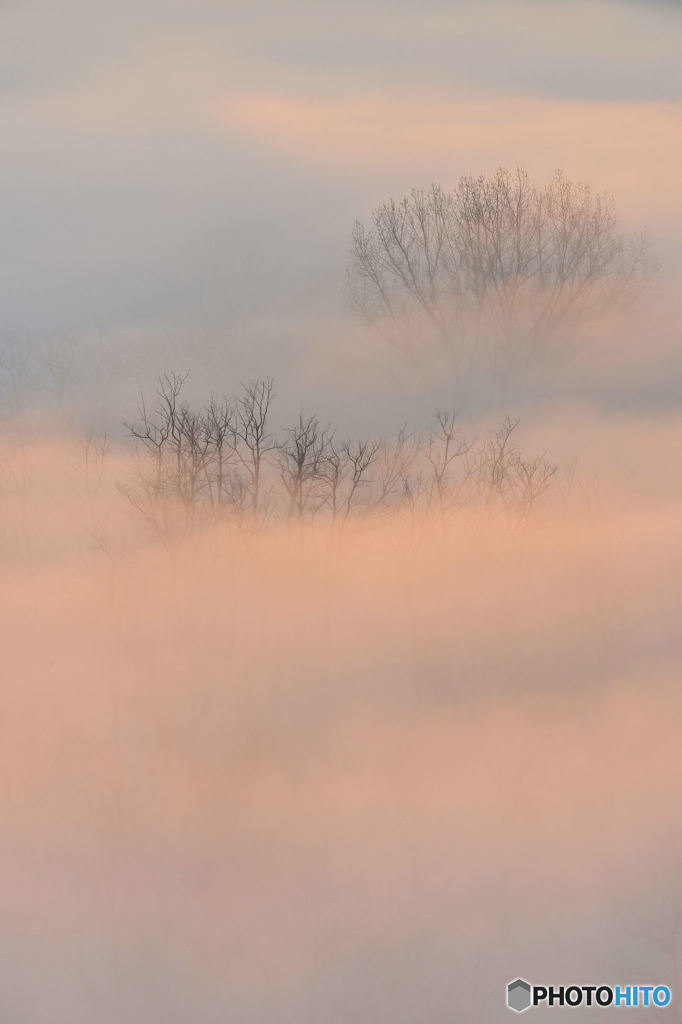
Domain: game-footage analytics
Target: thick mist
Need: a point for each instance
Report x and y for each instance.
(312, 773)
(355, 705)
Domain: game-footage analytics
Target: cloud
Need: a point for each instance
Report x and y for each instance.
(627, 148)
(573, 49)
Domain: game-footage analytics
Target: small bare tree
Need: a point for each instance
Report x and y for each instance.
(172, 448)
(195, 466)
(61, 358)
(501, 476)
(222, 481)
(396, 461)
(346, 471)
(445, 446)
(534, 476)
(253, 439)
(15, 372)
(496, 267)
(302, 462)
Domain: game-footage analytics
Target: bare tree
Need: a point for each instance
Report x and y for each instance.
(502, 476)
(15, 371)
(445, 446)
(346, 472)
(497, 266)
(253, 439)
(222, 481)
(61, 357)
(396, 459)
(533, 479)
(195, 466)
(302, 463)
(498, 459)
(172, 448)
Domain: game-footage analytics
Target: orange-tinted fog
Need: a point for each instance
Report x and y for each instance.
(329, 775)
(370, 774)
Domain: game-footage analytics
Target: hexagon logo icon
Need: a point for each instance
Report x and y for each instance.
(518, 995)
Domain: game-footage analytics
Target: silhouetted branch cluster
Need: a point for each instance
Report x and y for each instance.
(197, 466)
(495, 267)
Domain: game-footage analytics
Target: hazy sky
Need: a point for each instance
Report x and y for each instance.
(189, 166)
(373, 774)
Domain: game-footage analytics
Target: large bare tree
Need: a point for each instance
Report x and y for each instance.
(497, 267)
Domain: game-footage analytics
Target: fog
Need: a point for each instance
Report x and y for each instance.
(371, 773)
(362, 716)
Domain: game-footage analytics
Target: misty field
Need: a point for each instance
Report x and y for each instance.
(320, 772)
